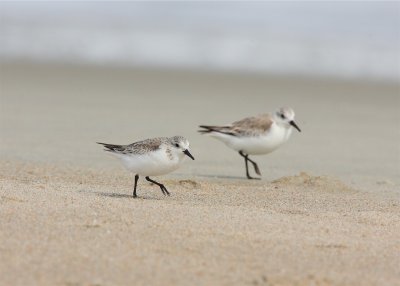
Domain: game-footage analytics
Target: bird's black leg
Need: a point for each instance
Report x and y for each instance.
(134, 189)
(162, 187)
(246, 164)
(246, 159)
(254, 165)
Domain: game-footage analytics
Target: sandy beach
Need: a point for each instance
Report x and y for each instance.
(326, 212)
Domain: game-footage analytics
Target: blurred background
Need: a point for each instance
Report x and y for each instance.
(73, 73)
(324, 39)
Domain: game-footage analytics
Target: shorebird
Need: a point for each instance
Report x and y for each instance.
(255, 135)
(152, 157)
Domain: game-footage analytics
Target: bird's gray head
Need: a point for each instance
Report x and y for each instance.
(180, 145)
(285, 115)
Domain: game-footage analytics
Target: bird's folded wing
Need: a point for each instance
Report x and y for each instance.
(252, 125)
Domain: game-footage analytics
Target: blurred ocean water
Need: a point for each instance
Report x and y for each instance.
(325, 39)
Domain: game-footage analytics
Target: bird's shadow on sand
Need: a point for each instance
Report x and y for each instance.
(129, 196)
(226, 177)
(117, 195)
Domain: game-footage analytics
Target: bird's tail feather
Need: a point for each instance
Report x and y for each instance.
(219, 129)
(110, 147)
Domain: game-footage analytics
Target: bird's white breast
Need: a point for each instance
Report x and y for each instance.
(258, 144)
(153, 163)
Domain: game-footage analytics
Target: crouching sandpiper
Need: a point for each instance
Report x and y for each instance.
(152, 157)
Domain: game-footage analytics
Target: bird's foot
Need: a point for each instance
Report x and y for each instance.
(252, 178)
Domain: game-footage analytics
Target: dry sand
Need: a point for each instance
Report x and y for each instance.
(327, 211)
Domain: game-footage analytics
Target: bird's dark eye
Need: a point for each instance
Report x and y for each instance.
(176, 145)
(282, 116)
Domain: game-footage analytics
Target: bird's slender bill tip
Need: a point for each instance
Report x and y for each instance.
(295, 125)
(187, 153)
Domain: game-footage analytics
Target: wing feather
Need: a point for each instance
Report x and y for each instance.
(247, 126)
(139, 147)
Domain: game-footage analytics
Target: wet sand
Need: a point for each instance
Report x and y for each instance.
(325, 213)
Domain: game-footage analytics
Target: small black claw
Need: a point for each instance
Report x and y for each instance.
(162, 187)
(164, 190)
(252, 178)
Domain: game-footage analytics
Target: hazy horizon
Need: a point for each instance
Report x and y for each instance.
(345, 39)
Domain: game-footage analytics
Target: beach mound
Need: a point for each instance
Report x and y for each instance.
(319, 183)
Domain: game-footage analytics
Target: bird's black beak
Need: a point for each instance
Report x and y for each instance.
(187, 153)
(294, 125)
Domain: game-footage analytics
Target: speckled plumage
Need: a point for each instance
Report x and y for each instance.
(152, 157)
(142, 147)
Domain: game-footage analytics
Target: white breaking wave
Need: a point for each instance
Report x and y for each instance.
(146, 34)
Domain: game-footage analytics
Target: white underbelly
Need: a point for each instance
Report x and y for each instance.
(153, 164)
(257, 145)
